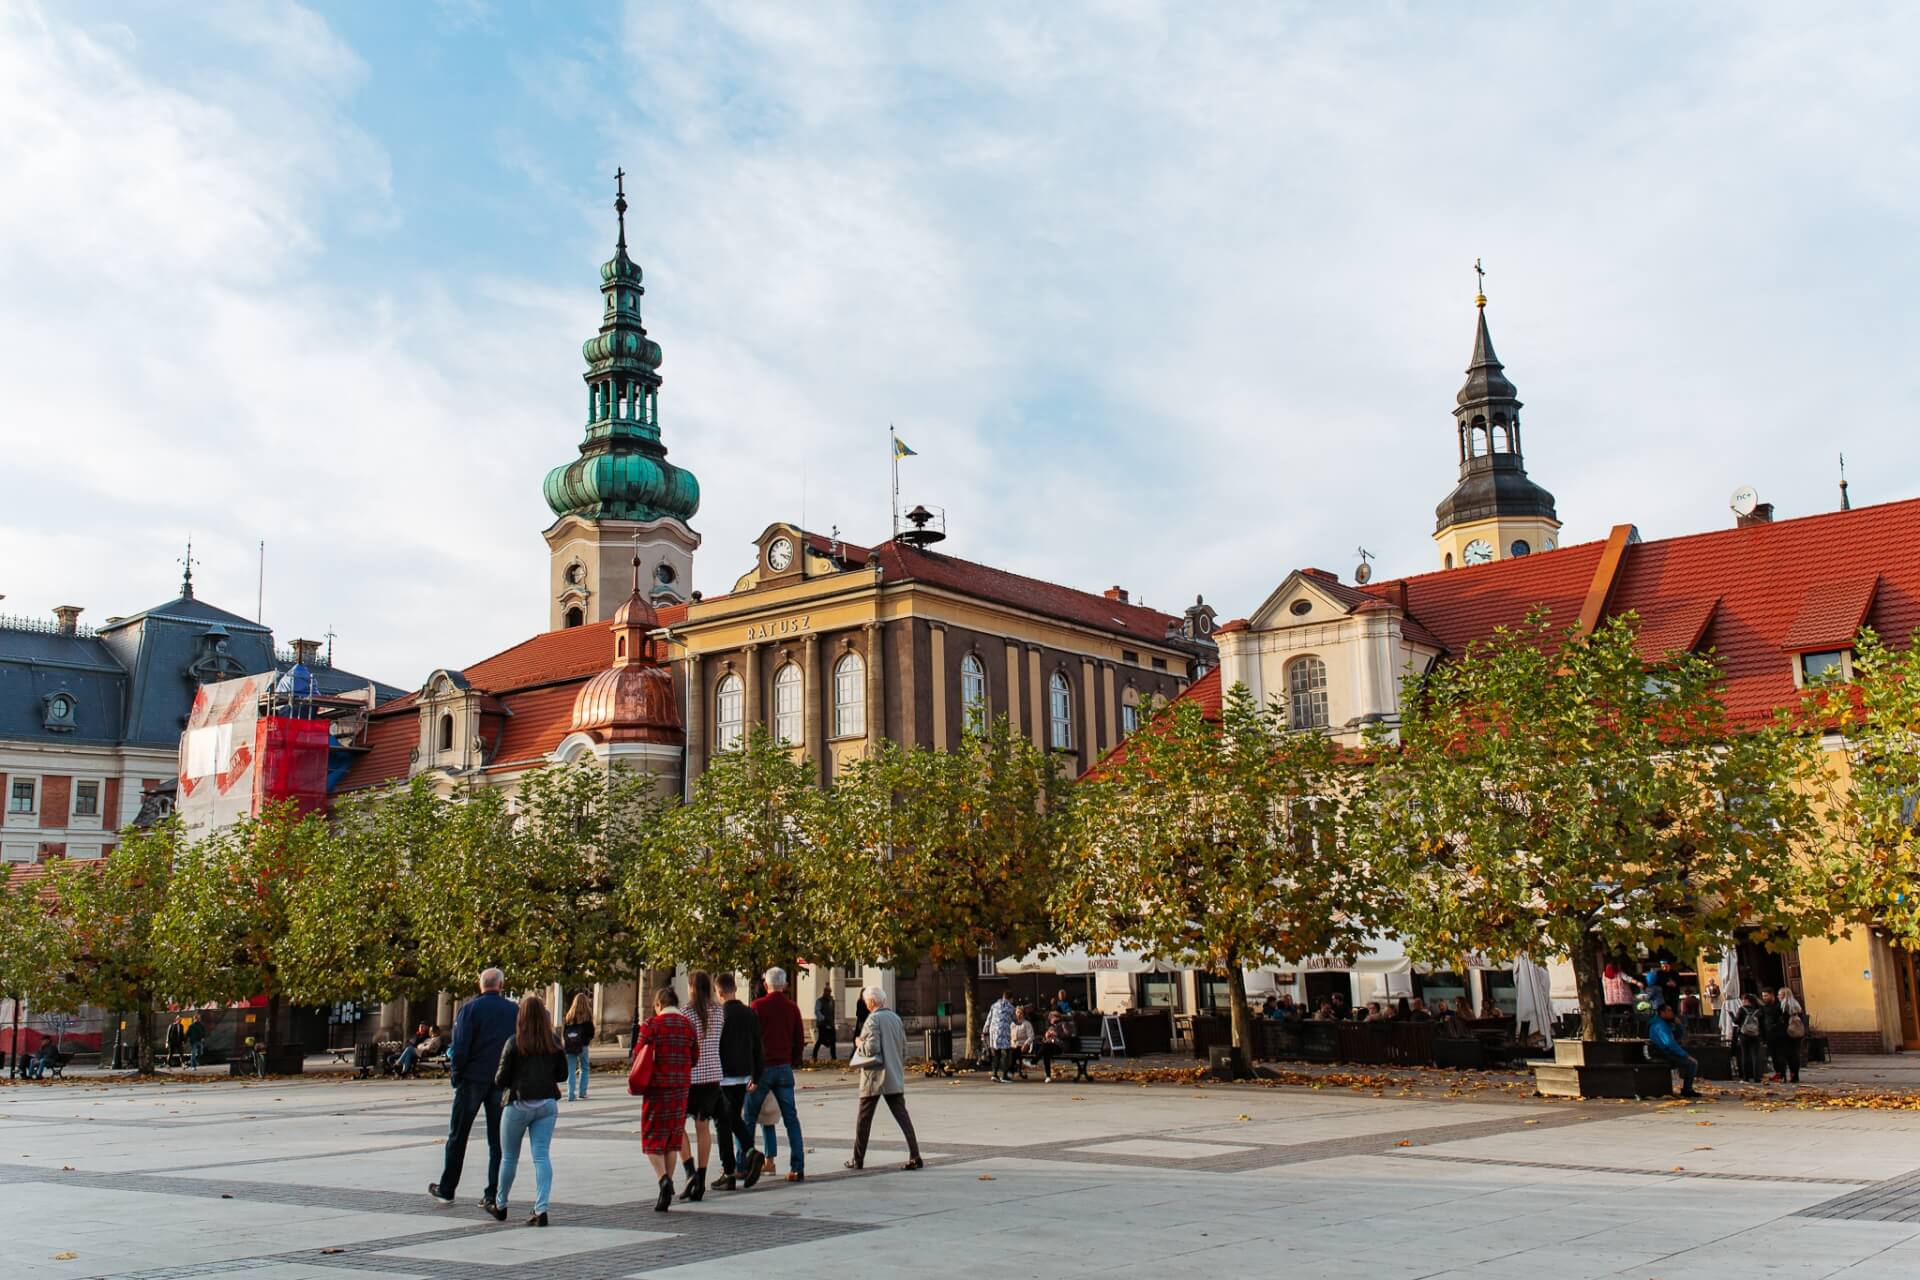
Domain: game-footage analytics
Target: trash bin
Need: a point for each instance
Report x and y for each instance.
(939, 1045)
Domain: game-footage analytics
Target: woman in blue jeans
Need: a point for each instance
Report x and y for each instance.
(531, 1068)
(577, 1037)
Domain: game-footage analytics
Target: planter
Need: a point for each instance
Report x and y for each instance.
(1601, 1069)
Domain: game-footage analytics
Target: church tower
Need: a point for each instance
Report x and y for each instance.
(1495, 512)
(621, 495)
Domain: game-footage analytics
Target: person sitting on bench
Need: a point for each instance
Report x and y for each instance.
(1057, 1040)
(430, 1043)
(47, 1059)
(1663, 1045)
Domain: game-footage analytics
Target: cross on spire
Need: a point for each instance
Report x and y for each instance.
(636, 564)
(1480, 285)
(620, 202)
(187, 562)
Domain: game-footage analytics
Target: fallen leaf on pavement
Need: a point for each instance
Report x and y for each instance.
(986, 1177)
(65, 1255)
(1404, 1142)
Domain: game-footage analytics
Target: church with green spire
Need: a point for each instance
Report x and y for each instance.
(620, 497)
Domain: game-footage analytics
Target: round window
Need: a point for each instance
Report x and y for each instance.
(1300, 608)
(61, 708)
(664, 574)
(1520, 547)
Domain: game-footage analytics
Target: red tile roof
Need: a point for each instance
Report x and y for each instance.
(540, 719)
(902, 562)
(1831, 613)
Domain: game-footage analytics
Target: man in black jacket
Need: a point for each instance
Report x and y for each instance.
(480, 1031)
(741, 1061)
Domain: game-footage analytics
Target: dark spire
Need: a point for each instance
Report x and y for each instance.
(620, 206)
(1486, 379)
(186, 578)
(1846, 504)
(1493, 476)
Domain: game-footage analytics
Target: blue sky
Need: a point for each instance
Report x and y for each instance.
(1175, 297)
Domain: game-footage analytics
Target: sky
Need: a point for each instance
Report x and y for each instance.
(1173, 297)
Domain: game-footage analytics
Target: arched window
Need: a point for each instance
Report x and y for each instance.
(446, 733)
(1060, 712)
(575, 616)
(729, 713)
(973, 693)
(1307, 693)
(787, 722)
(849, 697)
(1129, 711)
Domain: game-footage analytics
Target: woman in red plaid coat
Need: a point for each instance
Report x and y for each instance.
(663, 1103)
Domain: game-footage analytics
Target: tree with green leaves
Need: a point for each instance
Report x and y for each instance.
(465, 891)
(228, 918)
(947, 856)
(1216, 844)
(740, 877)
(107, 914)
(33, 953)
(1554, 794)
(1875, 802)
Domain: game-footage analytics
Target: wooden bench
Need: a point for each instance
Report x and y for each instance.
(1086, 1051)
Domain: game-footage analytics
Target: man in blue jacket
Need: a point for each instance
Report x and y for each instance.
(480, 1032)
(1663, 1043)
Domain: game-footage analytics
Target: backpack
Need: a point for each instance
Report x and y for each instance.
(1796, 1026)
(1750, 1024)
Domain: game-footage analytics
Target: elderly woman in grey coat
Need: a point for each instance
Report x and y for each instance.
(880, 1052)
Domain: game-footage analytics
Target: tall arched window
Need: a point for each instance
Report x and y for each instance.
(787, 721)
(1060, 711)
(446, 733)
(973, 693)
(1307, 693)
(575, 616)
(849, 697)
(729, 713)
(1129, 711)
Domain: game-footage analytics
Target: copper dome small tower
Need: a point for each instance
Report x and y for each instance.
(633, 700)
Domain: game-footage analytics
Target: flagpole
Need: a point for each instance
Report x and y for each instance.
(893, 457)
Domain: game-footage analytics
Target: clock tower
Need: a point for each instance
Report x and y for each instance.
(620, 498)
(1495, 512)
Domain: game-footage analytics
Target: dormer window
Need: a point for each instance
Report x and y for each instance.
(1829, 664)
(60, 711)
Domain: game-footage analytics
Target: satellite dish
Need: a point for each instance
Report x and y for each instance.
(1363, 573)
(1744, 500)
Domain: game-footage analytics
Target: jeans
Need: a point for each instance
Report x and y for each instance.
(1688, 1067)
(470, 1098)
(779, 1082)
(1753, 1058)
(193, 1053)
(405, 1062)
(535, 1119)
(577, 1064)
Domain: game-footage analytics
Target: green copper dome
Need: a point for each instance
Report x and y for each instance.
(622, 472)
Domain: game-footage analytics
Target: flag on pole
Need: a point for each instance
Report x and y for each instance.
(901, 450)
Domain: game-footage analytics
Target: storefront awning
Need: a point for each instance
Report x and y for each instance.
(1073, 960)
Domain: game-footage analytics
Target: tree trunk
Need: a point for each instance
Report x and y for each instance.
(970, 1033)
(143, 1040)
(1593, 1002)
(14, 1047)
(1242, 1016)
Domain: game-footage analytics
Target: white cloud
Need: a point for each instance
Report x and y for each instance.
(1171, 302)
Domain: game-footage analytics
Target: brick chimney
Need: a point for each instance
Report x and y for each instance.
(307, 653)
(1116, 593)
(1761, 514)
(69, 615)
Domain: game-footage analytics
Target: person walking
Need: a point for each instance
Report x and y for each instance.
(663, 1103)
(1773, 1030)
(741, 1057)
(1663, 1042)
(824, 1032)
(196, 1042)
(1749, 1029)
(176, 1042)
(480, 1032)
(998, 1034)
(881, 1055)
(531, 1068)
(577, 1040)
(781, 1043)
(703, 1088)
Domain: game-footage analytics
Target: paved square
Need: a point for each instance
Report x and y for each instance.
(325, 1179)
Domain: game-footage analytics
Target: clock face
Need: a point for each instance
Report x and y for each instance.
(779, 554)
(1479, 551)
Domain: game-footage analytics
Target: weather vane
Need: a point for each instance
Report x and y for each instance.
(187, 562)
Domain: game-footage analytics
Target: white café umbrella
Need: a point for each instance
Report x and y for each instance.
(1729, 988)
(1533, 997)
(1076, 959)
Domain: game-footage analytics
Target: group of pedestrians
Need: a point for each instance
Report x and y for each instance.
(1769, 1026)
(716, 1061)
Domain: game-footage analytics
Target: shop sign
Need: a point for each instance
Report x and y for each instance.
(779, 627)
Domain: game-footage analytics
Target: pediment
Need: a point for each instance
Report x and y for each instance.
(1303, 599)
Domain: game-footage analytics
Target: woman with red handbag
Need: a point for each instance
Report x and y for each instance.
(662, 1069)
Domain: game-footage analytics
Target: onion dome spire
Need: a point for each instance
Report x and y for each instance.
(622, 472)
(1486, 413)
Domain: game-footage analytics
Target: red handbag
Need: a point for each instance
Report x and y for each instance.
(640, 1074)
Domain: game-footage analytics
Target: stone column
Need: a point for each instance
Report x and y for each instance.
(876, 684)
(1113, 706)
(696, 721)
(755, 711)
(1089, 692)
(937, 636)
(909, 687)
(1013, 686)
(1037, 697)
(817, 730)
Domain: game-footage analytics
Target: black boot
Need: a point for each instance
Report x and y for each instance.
(697, 1189)
(665, 1202)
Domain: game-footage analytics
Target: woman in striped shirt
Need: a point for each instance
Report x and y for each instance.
(703, 1089)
